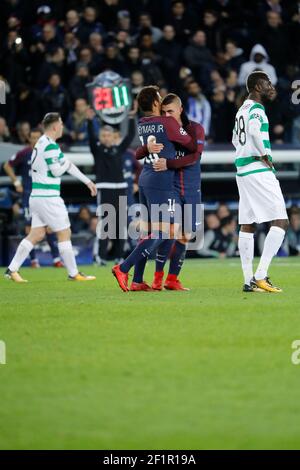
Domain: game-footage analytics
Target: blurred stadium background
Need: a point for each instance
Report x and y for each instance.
(200, 49)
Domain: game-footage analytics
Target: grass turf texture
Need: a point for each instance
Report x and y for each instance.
(89, 366)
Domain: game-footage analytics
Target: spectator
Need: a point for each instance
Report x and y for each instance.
(293, 233)
(77, 87)
(124, 22)
(171, 51)
(213, 31)
(222, 117)
(96, 43)
(137, 82)
(145, 23)
(76, 124)
(274, 37)
(55, 97)
(27, 105)
(198, 108)
(223, 211)
(72, 23)
(198, 57)
(132, 61)
(183, 20)
(82, 221)
(258, 61)
(89, 25)
(222, 242)
(233, 56)
(4, 131)
(112, 60)
(23, 133)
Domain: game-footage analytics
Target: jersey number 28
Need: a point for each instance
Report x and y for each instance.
(240, 129)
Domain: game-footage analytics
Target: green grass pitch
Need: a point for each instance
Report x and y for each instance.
(91, 367)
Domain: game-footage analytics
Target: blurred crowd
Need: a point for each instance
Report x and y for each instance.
(200, 49)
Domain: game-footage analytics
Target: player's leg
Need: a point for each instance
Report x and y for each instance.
(176, 262)
(159, 232)
(272, 244)
(246, 250)
(138, 282)
(35, 235)
(57, 218)
(247, 218)
(52, 242)
(103, 197)
(33, 258)
(165, 250)
(191, 225)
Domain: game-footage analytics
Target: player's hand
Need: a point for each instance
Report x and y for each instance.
(160, 164)
(153, 146)
(265, 159)
(92, 188)
(18, 186)
(90, 114)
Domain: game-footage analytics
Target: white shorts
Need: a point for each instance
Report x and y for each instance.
(50, 212)
(261, 199)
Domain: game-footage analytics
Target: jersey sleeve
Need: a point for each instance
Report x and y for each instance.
(57, 163)
(141, 152)
(15, 160)
(191, 158)
(177, 134)
(256, 121)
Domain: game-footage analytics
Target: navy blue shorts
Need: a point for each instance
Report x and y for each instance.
(191, 211)
(158, 205)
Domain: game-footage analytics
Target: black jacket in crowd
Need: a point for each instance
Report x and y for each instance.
(108, 160)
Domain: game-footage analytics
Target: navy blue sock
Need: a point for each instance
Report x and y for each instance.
(142, 250)
(162, 255)
(32, 254)
(52, 241)
(139, 269)
(177, 258)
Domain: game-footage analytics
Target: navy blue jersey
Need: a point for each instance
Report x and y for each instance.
(187, 179)
(166, 131)
(21, 163)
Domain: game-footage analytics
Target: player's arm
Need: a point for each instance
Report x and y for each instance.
(144, 150)
(130, 134)
(90, 114)
(191, 158)
(254, 126)
(58, 164)
(185, 137)
(9, 170)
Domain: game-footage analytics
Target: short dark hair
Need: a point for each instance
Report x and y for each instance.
(254, 78)
(226, 220)
(147, 97)
(50, 118)
(170, 98)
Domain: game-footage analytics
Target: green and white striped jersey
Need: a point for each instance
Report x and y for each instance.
(247, 149)
(45, 153)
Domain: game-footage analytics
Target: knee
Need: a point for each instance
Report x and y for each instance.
(64, 235)
(282, 223)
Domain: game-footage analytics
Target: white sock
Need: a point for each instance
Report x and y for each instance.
(68, 257)
(272, 244)
(21, 254)
(246, 249)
